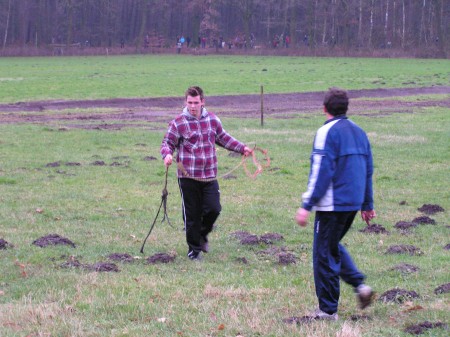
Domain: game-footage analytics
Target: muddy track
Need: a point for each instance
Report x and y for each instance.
(134, 110)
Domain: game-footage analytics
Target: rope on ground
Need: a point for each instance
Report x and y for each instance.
(164, 195)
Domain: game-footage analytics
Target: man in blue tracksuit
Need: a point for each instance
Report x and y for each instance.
(340, 185)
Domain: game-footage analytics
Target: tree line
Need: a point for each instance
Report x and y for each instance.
(407, 25)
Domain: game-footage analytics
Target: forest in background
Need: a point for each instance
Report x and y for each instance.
(416, 28)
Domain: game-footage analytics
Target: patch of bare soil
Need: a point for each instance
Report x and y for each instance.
(139, 112)
(424, 220)
(242, 260)
(103, 267)
(405, 225)
(406, 268)
(246, 238)
(160, 258)
(270, 238)
(442, 289)
(359, 318)
(430, 209)
(5, 244)
(281, 254)
(374, 229)
(53, 240)
(121, 257)
(73, 262)
(397, 295)
(418, 329)
(286, 259)
(404, 249)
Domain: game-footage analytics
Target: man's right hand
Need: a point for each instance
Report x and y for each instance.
(168, 160)
(368, 215)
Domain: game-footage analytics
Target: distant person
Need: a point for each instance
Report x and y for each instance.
(188, 41)
(179, 45)
(194, 135)
(287, 41)
(122, 43)
(340, 185)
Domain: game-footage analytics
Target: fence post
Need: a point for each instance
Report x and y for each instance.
(262, 105)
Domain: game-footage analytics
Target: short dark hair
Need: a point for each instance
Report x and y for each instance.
(336, 101)
(194, 91)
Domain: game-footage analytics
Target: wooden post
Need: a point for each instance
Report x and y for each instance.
(262, 105)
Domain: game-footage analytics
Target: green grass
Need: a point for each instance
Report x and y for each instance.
(25, 79)
(108, 209)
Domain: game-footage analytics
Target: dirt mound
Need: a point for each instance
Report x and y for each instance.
(430, 209)
(160, 258)
(358, 318)
(442, 289)
(5, 244)
(269, 238)
(397, 295)
(121, 257)
(405, 225)
(103, 267)
(424, 220)
(404, 249)
(406, 268)
(242, 260)
(73, 262)
(246, 238)
(98, 163)
(52, 240)
(374, 229)
(418, 329)
(286, 259)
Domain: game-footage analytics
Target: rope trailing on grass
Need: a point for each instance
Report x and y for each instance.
(164, 195)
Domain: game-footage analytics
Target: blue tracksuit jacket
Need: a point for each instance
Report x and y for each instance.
(340, 178)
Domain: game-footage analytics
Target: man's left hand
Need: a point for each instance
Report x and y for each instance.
(247, 151)
(302, 217)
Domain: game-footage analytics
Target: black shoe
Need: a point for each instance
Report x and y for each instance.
(205, 247)
(194, 256)
(365, 296)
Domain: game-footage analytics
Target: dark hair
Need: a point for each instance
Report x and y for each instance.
(194, 91)
(336, 101)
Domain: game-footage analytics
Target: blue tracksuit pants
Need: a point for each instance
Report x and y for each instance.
(331, 261)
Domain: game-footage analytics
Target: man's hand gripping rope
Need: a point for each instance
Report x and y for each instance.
(164, 195)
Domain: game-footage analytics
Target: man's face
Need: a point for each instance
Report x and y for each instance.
(194, 105)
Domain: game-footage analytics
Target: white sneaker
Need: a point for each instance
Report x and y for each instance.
(365, 295)
(321, 315)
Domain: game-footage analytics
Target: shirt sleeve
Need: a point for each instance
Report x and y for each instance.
(368, 195)
(225, 140)
(170, 140)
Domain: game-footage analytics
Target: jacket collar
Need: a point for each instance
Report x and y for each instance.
(336, 118)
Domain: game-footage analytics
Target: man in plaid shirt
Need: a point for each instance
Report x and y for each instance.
(194, 134)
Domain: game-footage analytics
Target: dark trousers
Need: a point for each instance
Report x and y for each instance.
(201, 207)
(331, 261)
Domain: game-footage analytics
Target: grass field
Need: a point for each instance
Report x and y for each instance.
(108, 209)
(24, 79)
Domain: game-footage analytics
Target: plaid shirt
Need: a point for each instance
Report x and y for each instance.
(195, 141)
